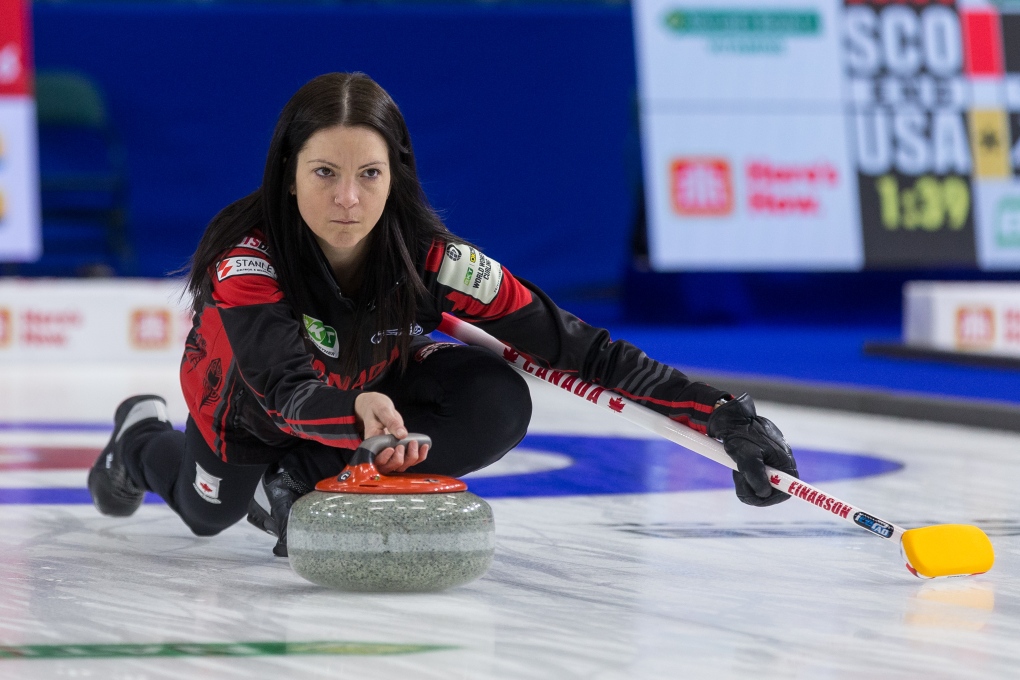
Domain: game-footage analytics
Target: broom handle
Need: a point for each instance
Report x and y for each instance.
(664, 426)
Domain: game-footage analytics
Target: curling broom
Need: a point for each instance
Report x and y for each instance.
(929, 552)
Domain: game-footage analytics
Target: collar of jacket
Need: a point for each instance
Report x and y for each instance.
(326, 272)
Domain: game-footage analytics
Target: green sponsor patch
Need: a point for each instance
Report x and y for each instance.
(773, 23)
(178, 649)
(322, 335)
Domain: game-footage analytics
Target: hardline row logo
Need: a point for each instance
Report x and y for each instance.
(874, 524)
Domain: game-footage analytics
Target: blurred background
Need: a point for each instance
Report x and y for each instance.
(751, 192)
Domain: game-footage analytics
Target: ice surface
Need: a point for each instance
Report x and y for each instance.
(660, 585)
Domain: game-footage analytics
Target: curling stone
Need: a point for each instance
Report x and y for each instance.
(365, 531)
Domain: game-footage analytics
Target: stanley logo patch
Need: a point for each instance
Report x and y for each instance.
(239, 266)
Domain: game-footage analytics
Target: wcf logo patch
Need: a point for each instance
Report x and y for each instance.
(701, 187)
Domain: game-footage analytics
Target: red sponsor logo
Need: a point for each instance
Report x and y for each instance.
(150, 328)
(223, 269)
(701, 187)
(975, 326)
(45, 328)
(254, 244)
(205, 487)
(818, 498)
(6, 330)
(788, 188)
(616, 404)
(1011, 326)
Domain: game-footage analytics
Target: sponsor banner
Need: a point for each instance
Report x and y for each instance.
(20, 235)
(963, 316)
(929, 96)
(730, 191)
(15, 49)
(997, 206)
(738, 51)
(56, 321)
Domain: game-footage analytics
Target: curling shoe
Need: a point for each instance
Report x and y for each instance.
(113, 491)
(270, 508)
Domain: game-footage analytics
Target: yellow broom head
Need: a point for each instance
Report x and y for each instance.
(947, 550)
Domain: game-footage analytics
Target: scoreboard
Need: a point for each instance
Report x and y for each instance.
(20, 238)
(828, 135)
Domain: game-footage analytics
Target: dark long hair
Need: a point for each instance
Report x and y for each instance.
(405, 230)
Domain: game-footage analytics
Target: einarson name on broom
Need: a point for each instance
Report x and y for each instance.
(313, 301)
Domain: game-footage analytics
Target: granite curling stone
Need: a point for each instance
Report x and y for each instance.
(368, 532)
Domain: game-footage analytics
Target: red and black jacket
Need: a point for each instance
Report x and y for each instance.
(258, 381)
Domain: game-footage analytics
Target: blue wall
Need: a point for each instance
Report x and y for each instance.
(520, 116)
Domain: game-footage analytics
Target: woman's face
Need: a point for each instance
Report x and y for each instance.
(341, 184)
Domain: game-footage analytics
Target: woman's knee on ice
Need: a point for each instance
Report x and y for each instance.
(207, 525)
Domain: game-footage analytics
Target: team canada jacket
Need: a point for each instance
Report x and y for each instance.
(258, 380)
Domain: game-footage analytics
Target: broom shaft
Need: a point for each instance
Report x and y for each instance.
(665, 427)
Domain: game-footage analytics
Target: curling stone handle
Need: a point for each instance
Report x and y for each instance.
(371, 447)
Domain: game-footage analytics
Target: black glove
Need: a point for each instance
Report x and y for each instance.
(753, 442)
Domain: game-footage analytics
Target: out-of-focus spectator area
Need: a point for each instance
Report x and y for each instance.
(525, 119)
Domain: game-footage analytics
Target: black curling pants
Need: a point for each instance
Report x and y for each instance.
(469, 401)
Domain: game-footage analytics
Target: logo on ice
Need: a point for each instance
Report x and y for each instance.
(701, 187)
